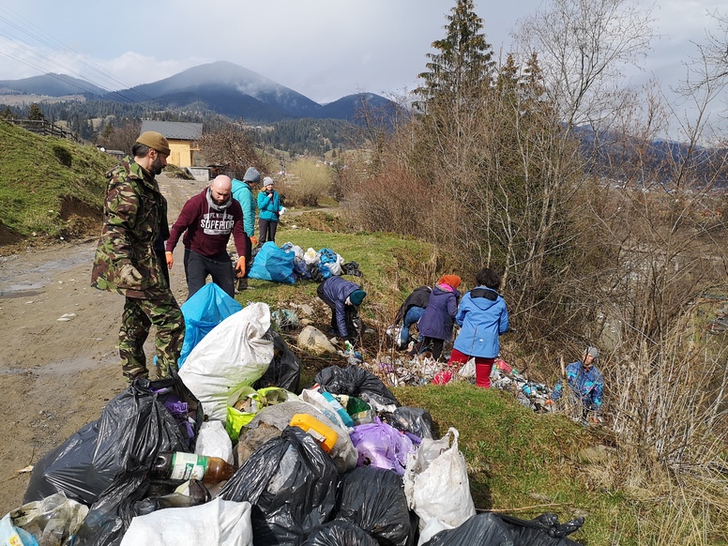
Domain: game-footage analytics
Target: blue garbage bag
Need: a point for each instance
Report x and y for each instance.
(207, 308)
(273, 264)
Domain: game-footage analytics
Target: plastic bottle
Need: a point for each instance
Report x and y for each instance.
(181, 466)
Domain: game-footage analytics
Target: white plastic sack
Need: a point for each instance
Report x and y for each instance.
(311, 256)
(335, 267)
(216, 523)
(468, 370)
(233, 354)
(213, 441)
(436, 482)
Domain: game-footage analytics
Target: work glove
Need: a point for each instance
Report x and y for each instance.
(170, 259)
(240, 267)
(130, 277)
(254, 240)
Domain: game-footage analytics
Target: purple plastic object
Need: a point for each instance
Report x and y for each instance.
(382, 446)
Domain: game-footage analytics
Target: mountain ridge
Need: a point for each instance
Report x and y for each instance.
(221, 87)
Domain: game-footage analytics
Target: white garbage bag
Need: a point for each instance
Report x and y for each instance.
(216, 523)
(213, 441)
(436, 483)
(232, 355)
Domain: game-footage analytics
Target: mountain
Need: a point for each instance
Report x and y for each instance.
(225, 88)
(220, 87)
(234, 91)
(50, 85)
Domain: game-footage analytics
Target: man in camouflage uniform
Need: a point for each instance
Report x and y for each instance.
(130, 258)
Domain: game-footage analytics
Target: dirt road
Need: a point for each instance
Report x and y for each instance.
(58, 360)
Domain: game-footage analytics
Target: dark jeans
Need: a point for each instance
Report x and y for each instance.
(267, 230)
(351, 316)
(198, 267)
(431, 344)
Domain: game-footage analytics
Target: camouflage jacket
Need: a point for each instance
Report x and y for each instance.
(135, 218)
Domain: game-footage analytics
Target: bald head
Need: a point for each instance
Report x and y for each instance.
(221, 188)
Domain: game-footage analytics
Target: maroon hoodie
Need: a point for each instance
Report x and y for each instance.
(208, 230)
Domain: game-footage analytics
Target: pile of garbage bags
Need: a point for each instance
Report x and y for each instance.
(338, 462)
(290, 262)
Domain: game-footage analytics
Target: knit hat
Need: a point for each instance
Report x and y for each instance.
(593, 351)
(357, 296)
(155, 140)
(251, 175)
(267, 181)
(452, 280)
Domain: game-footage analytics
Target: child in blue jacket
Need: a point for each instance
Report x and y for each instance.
(483, 317)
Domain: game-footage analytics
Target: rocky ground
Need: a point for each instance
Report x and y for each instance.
(58, 360)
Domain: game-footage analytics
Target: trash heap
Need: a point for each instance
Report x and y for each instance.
(290, 262)
(229, 451)
(421, 370)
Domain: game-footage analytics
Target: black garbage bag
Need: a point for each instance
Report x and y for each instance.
(109, 517)
(290, 483)
(133, 428)
(544, 530)
(481, 529)
(356, 381)
(502, 530)
(418, 421)
(338, 533)
(374, 500)
(284, 370)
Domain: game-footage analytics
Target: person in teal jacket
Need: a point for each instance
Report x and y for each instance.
(269, 204)
(243, 194)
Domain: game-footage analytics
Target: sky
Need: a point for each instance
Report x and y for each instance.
(323, 49)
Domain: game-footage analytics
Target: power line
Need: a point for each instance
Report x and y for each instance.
(28, 28)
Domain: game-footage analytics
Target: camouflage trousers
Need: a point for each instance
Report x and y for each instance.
(161, 310)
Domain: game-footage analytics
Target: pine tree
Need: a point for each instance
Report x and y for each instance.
(464, 63)
(35, 113)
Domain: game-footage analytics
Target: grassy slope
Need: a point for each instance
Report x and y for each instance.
(40, 176)
(519, 462)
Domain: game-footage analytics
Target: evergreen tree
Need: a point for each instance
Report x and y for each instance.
(35, 112)
(464, 62)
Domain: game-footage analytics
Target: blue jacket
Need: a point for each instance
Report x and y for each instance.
(439, 316)
(269, 208)
(483, 317)
(588, 385)
(244, 195)
(337, 290)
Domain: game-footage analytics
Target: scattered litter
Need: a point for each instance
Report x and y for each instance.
(66, 317)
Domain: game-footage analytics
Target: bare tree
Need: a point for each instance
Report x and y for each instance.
(231, 147)
(583, 48)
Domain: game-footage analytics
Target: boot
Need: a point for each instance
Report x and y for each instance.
(242, 284)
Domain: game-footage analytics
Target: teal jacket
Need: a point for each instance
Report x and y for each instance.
(244, 195)
(269, 208)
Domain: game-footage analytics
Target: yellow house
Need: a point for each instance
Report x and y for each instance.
(183, 139)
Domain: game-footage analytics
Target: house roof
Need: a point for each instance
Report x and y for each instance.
(174, 129)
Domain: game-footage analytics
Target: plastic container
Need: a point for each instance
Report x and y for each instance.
(345, 417)
(181, 466)
(323, 434)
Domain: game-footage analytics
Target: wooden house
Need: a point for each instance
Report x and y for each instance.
(183, 139)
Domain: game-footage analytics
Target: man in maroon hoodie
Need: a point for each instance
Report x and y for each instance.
(209, 219)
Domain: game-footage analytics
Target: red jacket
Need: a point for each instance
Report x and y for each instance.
(207, 230)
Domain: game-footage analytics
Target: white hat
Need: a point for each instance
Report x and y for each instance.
(267, 181)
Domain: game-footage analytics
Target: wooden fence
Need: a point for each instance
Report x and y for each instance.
(44, 127)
